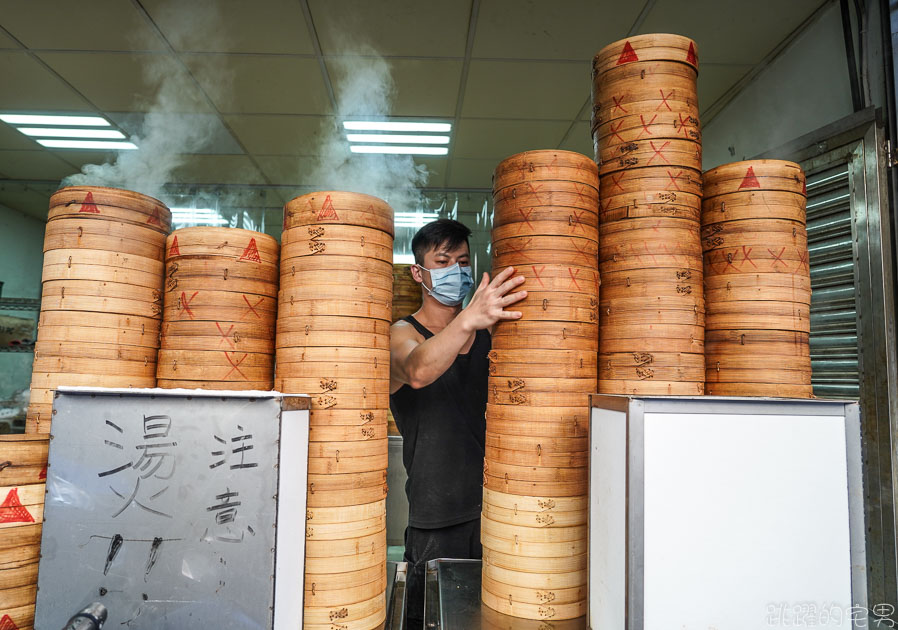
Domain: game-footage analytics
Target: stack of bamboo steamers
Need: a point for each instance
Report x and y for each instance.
(101, 300)
(220, 309)
(22, 480)
(333, 342)
(757, 280)
(648, 146)
(542, 371)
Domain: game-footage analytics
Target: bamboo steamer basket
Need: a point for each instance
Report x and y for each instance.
(347, 433)
(333, 265)
(533, 519)
(658, 179)
(343, 546)
(209, 335)
(517, 486)
(546, 335)
(318, 598)
(767, 175)
(644, 48)
(334, 326)
(551, 197)
(650, 152)
(552, 610)
(527, 414)
(88, 350)
(106, 297)
(18, 574)
(339, 207)
(336, 400)
(350, 417)
(531, 166)
(789, 206)
(336, 515)
(372, 357)
(758, 342)
(326, 338)
(771, 390)
(307, 278)
(406, 292)
(343, 564)
(518, 546)
(526, 564)
(80, 261)
(753, 314)
(547, 581)
(309, 307)
(219, 306)
(542, 474)
(651, 388)
(339, 581)
(353, 496)
(567, 428)
(89, 366)
(651, 204)
(571, 226)
(144, 328)
(662, 124)
(112, 203)
(559, 250)
(540, 399)
(78, 271)
(24, 458)
(345, 613)
(235, 244)
(559, 306)
(83, 234)
(644, 101)
(168, 383)
(295, 250)
(536, 445)
(215, 365)
(535, 503)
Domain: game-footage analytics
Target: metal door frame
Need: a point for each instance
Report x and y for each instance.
(860, 141)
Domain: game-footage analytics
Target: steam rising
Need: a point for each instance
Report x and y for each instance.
(364, 88)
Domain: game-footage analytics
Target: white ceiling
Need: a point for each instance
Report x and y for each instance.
(510, 74)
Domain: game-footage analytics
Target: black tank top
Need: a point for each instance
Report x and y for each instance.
(443, 429)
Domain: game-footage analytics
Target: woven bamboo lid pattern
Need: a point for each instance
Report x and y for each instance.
(334, 311)
(757, 280)
(102, 294)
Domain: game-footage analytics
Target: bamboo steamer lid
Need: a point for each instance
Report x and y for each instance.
(142, 209)
(90, 350)
(537, 457)
(215, 365)
(235, 244)
(524, 413)
(547, 581)
(105, 297)
(650, 47)
(324, 582)
(649, 152)
(347, 417)
(545, 335)
(318, 598)
(338, 207)
(571, 227)
(771, 390)
(751, 203)
(662, 124)
(755, 174)
(553, 196)
(501, 470)
(663, 178)
(24, 458)
(651, 388)
(552, 610)
(347, 433)
(532, 166)
(559, 250)
(526, 564)
(533, 520)
(103, 235)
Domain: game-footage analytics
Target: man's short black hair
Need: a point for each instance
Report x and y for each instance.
(446, 232)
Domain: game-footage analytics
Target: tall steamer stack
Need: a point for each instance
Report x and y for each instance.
(22, 481)
(333, 342)
(101, 298)
(220, 309)
(406, 292)
(648, 146)
(542, 371)
(757, 280)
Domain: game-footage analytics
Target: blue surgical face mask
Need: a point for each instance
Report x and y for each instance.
(450, 284)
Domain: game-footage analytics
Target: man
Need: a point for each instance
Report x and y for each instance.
(438, 393)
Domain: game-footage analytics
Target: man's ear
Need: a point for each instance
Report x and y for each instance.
(417, 276)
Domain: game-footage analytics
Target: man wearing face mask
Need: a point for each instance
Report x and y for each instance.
(438, 394)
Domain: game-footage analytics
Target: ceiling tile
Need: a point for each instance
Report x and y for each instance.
(564, 29)
(422, 87)
(78, 158)
(730, 31)
(261, 26)
(580, 140)
(86, 25)
(217, 169)
(38, 164)
(214, 139)
(715, 80)
(500, 138)
(505, 89)
(6, 41)
(288, 171)
(465, 173)
(129, 81)
(12, 139)
(264, 85)
(27, 85)
(31, 200)
(396, 28)
(279, 134)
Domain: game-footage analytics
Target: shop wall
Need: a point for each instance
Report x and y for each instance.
(21, 244)
(802, 89)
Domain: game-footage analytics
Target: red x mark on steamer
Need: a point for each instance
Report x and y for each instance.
(617, 104)
(224, 335)
(777, 258)
(664, 102)
(184, 302)
(615, 130)
(645, 125)
(673, 180)
(802, 261)
(251, 308)
(235, 365)
(573, 279)
(658, 152)
(526, 218)
(536, 273)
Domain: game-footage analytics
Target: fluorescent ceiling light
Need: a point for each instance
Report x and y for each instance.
(360, 125)
(377, 148)
(396, 138)
(32, 119)
(86, 144)
(54, 132)
(416, 215)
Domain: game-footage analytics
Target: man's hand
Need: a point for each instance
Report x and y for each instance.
(490, 300)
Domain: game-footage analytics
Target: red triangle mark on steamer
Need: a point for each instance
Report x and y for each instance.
(691, 57)
(155, 219)
(627, 54)
(251, 252)
(6, 623)
(174, 250)
(43, 475)
(328, 212)
(750, 181)
(88, 204)
(12, 510)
